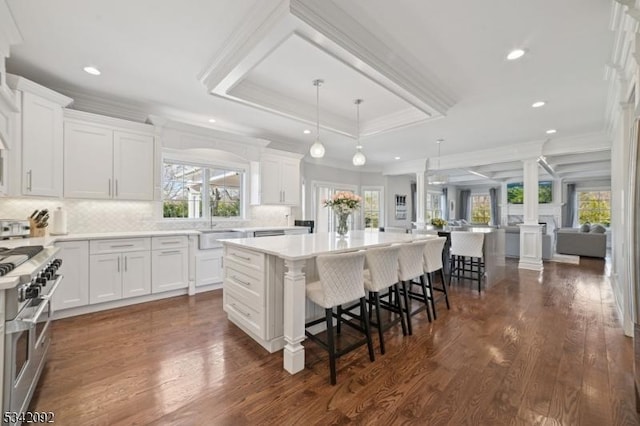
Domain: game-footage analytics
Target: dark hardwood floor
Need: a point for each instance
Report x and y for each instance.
(535, 348)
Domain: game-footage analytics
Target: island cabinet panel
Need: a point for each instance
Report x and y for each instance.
(170, 269)
(74, 288)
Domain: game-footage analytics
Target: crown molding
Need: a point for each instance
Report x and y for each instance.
(395, 120)
(352, 35)
(8, 101)
(83, 116)
(257, 24)
(22, 84)
(418, 165)
(96, 104)
(591, 142)
(9, 33)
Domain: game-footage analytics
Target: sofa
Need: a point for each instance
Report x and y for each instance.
(586, 241)
(512, 243)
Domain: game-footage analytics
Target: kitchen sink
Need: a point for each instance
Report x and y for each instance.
(209, 239)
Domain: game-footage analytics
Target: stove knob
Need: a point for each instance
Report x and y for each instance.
(32, 292)
(41, 281)
(57, 262)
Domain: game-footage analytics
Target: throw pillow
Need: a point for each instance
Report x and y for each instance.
(585, 228)
(598, 229)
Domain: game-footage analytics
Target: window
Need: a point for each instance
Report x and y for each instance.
(594, 207)
(434, 205)
(196, 191)
(480, 208)
(372, 203)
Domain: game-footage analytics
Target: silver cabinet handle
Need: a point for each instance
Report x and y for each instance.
(116, 188)
(240, 310)
(171, 252)
(121, 245)
(118, 263)
(109, 187)
(170, 242)
(222, 262)
(125, 263)
(241, 257)
(29, 180)
(240, 281)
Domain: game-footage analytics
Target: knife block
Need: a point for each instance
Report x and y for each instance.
(36, 232)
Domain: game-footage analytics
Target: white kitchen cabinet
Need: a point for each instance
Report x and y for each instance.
(36, 151)
(279, 180)
(170, 269)
(209, 267)
(104, 162)
(119, 268)
(169, 263)
(73, 290)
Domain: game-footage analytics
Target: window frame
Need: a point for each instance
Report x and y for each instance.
(381, 205)
(430, 211)
(207, 165)
(591, 190)
(488, 197)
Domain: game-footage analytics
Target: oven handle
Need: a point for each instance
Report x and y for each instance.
(49, 295)
(21, 324)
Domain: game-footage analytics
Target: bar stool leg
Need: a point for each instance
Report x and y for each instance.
(426, 299)
(403, 323)
(407, 307)
(376, 296)
(444, 288)
(433, 299)
(331, 345)
(367, 329)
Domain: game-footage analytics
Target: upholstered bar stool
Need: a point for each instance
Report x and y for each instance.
(467, 245)
(432, 257)
(382, 275)
(410, 266)
(341, 281)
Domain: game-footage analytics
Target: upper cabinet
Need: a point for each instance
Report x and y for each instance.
(279, 180)
(37, 141)
(107, 158)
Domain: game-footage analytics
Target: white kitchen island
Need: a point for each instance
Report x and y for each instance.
(264, 283)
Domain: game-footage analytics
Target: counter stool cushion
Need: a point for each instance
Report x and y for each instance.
(410, 261)
(467, 244)
(432, 257)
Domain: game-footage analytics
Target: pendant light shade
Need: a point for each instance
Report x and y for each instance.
(317, 149)
(436, 177)
(358, 158)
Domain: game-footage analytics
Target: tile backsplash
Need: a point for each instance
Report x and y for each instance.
(113, 216)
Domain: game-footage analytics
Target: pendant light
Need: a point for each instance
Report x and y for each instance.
(436, 177)
(358, 158)
(317, 149)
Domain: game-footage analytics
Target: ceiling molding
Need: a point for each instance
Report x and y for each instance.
(82, 116)
(591, 142)
(395, 120)
(505, 154)
(406, 167)
(353, 36)
(125, 110)
(255, 26)
(22, 84)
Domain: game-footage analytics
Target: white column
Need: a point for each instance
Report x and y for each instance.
(421, 193)
(530, 230)
(294, 315)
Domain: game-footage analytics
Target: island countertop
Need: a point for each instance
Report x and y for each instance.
(305, 246)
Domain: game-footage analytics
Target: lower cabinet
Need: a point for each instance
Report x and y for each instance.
(209, 267)
(115, 276)
(73, 290)
(170, 269)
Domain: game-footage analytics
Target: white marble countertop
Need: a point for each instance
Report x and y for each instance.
(51, 239)
(26, 270)
(295, 247)
(267, 228)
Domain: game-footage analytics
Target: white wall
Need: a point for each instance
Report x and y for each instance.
(400, 185)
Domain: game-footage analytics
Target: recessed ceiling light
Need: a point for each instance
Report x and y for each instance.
(92, 70)
(306, 131)
(551, 131)
(212, 120)
(515, 54)
(538, 104)
(396, 158)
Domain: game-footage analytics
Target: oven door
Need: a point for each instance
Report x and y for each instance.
(27, 339)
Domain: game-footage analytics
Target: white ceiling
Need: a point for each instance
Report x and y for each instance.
(152, 54)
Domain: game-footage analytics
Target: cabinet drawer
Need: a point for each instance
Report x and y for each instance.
(250, 288)
(252, 259)
(119, 245)
(251, 319)
(162, 243)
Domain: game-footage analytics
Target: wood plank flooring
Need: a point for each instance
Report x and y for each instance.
(534, 349)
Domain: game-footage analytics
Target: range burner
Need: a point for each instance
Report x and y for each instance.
(12, 258)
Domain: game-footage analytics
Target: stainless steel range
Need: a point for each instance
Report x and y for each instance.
(29, 276)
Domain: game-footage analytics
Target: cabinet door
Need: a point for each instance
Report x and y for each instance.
(41, 146)
(169, 270)
(133, 166)
(290, 178)
(136, 275)
(270, 188)
(88, 161)
(73, 290)
(209, 267)
(105, 277)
